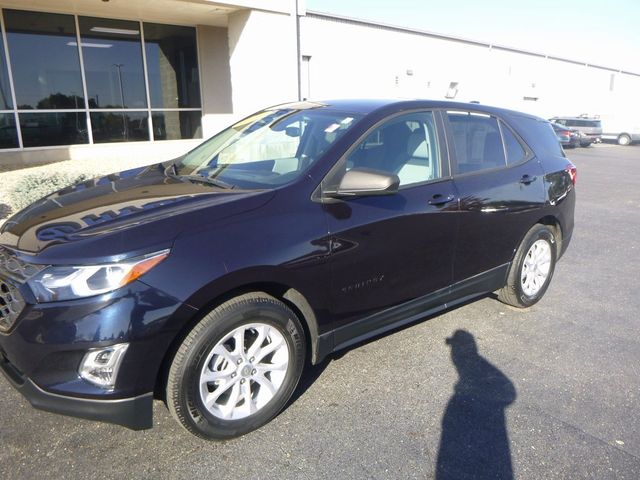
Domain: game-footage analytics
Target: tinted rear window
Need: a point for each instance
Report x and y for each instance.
(540, 135)
(477, 141)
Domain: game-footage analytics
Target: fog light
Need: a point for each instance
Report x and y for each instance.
(101, 366)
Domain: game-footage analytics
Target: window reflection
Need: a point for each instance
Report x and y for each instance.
(172, 65)
(5, 90)
(119, 126)
(177, 125)
(8, 133)
(44, 59)
(53, 105)
(112, 53)
(59, 128)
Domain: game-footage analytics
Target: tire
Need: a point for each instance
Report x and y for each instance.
(624, 139)
(526, 284)
(249, 386)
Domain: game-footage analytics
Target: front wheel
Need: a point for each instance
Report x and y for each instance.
(532, 268)
(237, 368)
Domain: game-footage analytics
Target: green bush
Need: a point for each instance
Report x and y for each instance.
(33, 187)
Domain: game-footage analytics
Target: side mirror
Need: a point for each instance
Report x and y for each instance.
(361, 182)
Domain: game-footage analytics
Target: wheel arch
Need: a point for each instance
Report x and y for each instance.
(555, 224)
(281, 291)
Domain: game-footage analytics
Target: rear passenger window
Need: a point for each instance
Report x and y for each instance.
(515, 152)
(477, 141)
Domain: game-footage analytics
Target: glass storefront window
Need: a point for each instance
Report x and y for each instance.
(59, 128)
(112, 54)
(67, 79)
(123, 126)
(8, 133)
(44, 59)
(175, 125)
(5, 89)
(172, 66)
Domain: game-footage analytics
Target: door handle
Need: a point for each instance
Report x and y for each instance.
(439, 199)
(527, 179)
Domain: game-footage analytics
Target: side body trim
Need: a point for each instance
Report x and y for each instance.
(419, 308)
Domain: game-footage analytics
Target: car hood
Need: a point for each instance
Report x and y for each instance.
(121, 214)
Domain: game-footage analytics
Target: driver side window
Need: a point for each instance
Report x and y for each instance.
(405, 146)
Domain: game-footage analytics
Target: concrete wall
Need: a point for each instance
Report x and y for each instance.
(353, 59)
(262, 59)
(215, 77)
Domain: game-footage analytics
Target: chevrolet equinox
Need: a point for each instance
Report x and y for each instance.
(210, 280)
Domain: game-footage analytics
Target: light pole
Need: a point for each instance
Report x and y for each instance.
(124, 122)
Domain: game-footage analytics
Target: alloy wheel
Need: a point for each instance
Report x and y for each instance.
(244, 371)
(536, 268)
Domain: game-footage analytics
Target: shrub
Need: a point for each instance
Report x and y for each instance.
(33, 187)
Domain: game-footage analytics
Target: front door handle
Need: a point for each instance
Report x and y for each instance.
(439, 199)
(527, 179)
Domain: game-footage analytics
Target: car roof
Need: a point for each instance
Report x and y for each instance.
(366, 106)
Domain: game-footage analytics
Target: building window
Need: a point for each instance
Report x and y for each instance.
(172, 63)
(112, 54)
(6, 103)
(75, 79)
(44, 58)
(173, 125)
(43, 129)
(122, 126)
(8, 133)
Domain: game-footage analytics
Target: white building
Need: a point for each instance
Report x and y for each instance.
(151, 78)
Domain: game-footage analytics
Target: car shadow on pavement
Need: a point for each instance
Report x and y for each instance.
(474, 442)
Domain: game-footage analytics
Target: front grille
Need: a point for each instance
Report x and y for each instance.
(12, 267)
(11, 305)
(13, 273)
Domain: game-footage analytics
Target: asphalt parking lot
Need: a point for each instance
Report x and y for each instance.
(551, 392)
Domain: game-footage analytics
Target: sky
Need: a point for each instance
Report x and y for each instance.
(605, 32)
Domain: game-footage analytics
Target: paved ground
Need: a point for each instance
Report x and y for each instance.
(553, 392)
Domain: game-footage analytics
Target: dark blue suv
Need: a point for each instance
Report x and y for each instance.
(210, 280)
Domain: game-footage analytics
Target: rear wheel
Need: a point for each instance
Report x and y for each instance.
(237, 368)
(532, 268)
(624, 139)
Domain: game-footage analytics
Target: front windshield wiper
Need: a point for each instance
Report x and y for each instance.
(172, 171)
(207, 180)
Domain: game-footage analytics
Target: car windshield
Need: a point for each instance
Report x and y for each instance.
(268, 149)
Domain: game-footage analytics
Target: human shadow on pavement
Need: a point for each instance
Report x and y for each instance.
(474, 442)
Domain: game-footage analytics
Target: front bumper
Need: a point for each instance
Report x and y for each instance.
(135, 413)
(42, 352)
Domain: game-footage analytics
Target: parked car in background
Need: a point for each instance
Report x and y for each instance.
(591, 127)
(209, 281)
(585, 140)
(568, 137)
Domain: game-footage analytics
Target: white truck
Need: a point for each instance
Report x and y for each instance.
(624, 130)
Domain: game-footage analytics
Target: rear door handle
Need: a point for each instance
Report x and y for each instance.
(527, 179)
(439, 199)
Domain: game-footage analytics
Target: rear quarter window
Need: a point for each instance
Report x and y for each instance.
(538, 134)
(514, 149)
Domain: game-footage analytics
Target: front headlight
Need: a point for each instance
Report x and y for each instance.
(59, 283)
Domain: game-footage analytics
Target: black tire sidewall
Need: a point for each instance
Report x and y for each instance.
(279, 316)
(540, 232)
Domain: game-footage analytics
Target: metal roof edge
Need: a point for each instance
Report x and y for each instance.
(453, 38)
